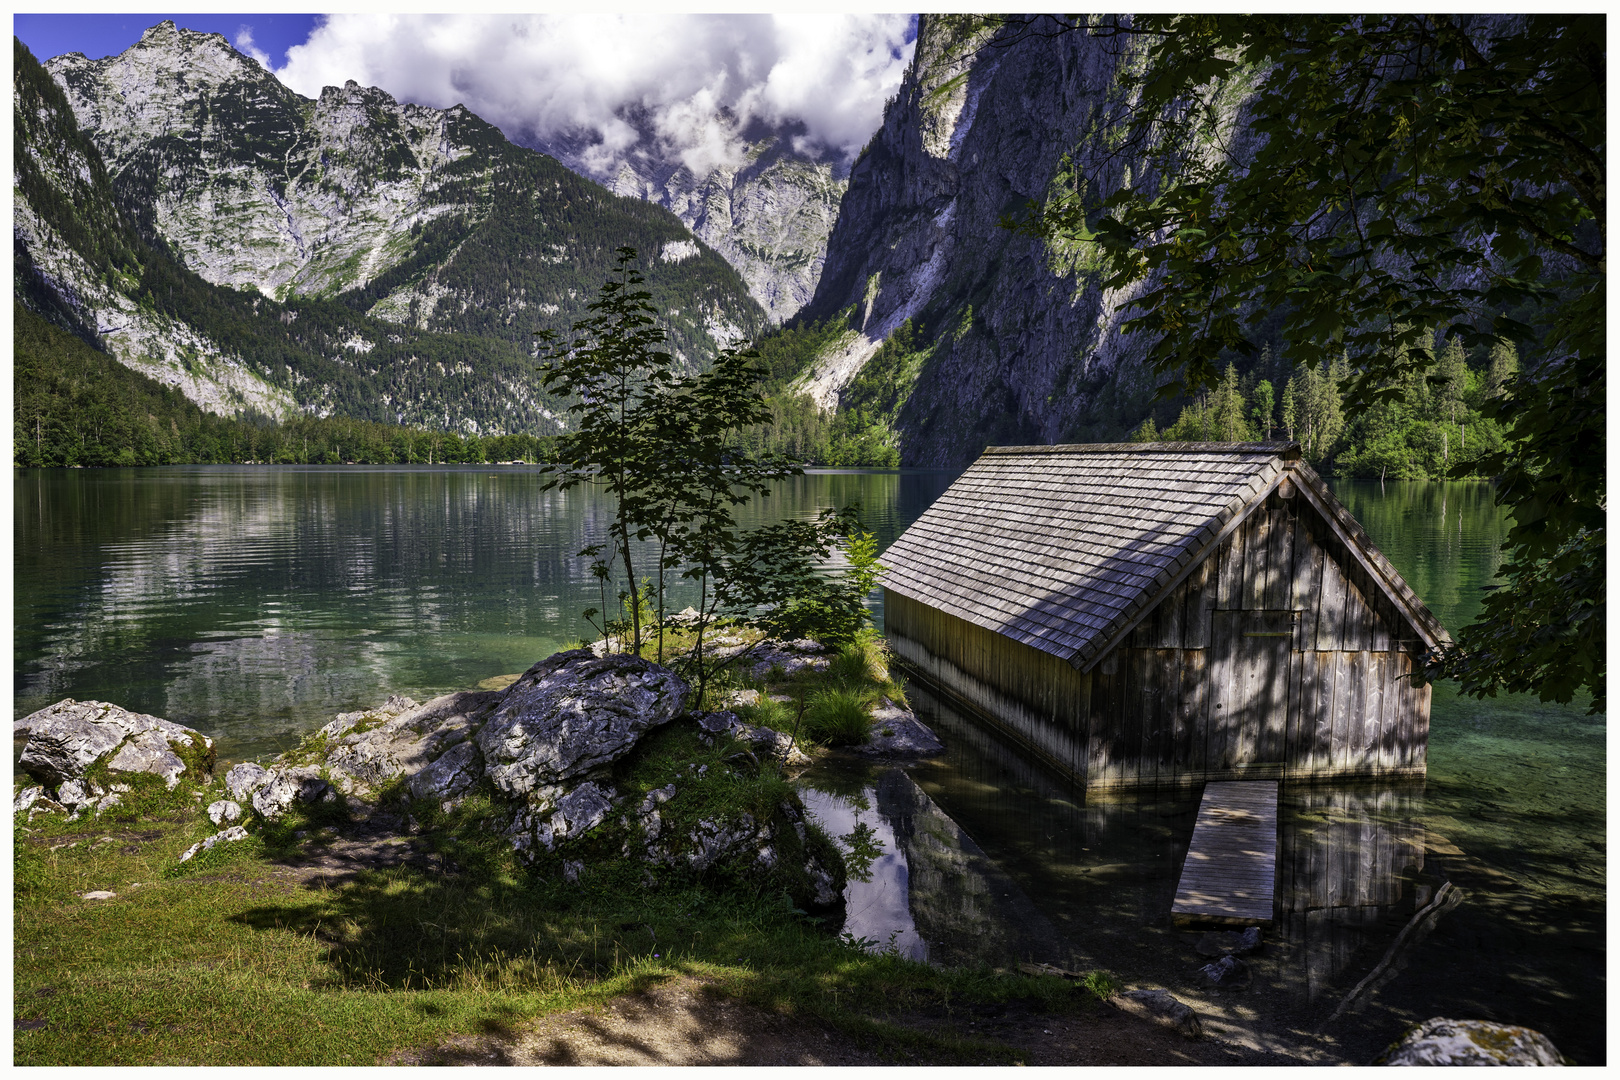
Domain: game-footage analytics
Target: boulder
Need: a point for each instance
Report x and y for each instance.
(581, 810)
(236, 832)
(1162, 1009)
(572, 713)
(288, 787)
(1471, 1042)
(66, 739)
(897, 733)
(245, 780)
(762, 741)
(26, 798)
(448, 775)
(223, 811)
(364, 750)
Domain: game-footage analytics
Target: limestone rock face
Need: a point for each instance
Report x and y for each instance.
(1471, 1042)
(572, 713)
(1027, 341)
(402, 738)
(289, 786)
(767, 211)
(67, 738)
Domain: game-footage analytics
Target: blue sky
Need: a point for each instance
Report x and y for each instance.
(105, 35)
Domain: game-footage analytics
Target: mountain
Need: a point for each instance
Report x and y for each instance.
(1016, 341)
(180, 207)
(768, 213)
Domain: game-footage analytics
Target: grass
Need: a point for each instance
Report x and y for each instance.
(234, 963)
(227, 959)
(832, 706)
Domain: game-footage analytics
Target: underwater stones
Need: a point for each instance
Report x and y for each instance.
(573, 712)
(1471, 1042)
(288, 787)
(896, 733)
(66, 739)
(245, 779)
(1162, 1009)
(1228, 972)
(224, 810)
(1229, 942)
(231, 835)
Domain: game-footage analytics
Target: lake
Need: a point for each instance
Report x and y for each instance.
(254, 603)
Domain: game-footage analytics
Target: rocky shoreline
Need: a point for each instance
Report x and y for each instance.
(585, 758)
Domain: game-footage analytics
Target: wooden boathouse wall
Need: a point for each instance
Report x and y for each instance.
(1278, 657)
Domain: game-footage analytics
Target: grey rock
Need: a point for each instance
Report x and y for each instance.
(107, 802)
(403, 739)
(452, 773)
(897, 733)
(1159, 1007)
(657, 797)
(65, 739)
(572, 713)
(1471, 1042)
(223, 811)
(228, 836)
(75, 794)
(581, 810)
(245, 780)
(571, 869)
(763, 741)
(26, 798)
(287, 788)
(99, 894)
(1228, 972)
(149, 752)
(1229, 942)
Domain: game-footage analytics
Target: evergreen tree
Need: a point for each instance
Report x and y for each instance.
(1264, 407)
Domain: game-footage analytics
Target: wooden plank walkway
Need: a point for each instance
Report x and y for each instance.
(1230, 872)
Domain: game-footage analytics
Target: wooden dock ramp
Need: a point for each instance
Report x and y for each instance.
(1230, 873)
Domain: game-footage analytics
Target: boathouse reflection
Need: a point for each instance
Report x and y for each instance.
(1090, 883)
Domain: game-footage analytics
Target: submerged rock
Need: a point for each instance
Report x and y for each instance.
(897, 733)
(66, 739)
(1159, 1007)
(1471, 1042)
(1229, 942)
(572, 713)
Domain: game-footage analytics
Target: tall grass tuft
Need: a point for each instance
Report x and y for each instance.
(838, 718)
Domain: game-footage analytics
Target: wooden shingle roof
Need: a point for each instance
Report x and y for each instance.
(1064, 548)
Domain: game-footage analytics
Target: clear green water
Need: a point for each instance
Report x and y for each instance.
(253, 603)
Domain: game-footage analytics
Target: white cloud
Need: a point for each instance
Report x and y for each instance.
(540, 76)
(246, 46)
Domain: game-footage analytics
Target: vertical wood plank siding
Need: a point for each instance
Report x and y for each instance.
(1276, 658)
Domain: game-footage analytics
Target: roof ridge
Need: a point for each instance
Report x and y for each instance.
(1275, 446)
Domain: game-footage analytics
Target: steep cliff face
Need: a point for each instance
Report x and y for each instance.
(77, 260)
(423, 217)
(768, 214)
(1023, 343)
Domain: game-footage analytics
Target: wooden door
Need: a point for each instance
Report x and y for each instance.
(1253, 652)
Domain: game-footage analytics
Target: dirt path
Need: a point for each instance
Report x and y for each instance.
(678, 1023)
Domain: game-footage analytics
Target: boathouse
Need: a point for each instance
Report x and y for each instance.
(1145, 614)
